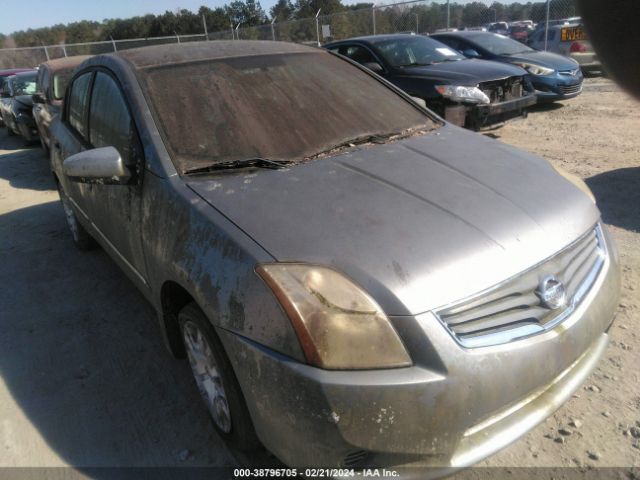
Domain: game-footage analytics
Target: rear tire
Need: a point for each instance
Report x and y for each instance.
(216, 380)
(81, 238)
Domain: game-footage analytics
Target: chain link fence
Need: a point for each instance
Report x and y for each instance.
(416, 16)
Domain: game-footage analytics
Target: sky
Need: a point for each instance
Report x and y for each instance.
(45, 13)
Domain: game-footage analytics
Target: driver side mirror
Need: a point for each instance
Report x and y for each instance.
(470, 53)
(375, 67)
(38, 98)
(100, 166)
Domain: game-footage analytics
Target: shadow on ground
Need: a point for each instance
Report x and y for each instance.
(25, 167)
(545, 107)
(618, 195)
(83, 360)
(13, 142)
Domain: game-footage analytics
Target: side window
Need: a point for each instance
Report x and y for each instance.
(453, 43)
(109, 119)
(462, 46)
(358, 54)
(78, 103)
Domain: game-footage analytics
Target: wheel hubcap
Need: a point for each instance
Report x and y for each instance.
(206, 372)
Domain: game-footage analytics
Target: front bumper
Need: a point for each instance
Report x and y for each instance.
(451, 409)
(558, 87)
(480, 117)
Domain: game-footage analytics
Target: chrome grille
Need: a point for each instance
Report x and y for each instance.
(569, 89)
(514, 309)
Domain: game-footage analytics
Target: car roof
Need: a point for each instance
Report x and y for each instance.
(27, 73)
(373, 39)
(463, 33)
(157, 55)
(64, 63)
(13, 71)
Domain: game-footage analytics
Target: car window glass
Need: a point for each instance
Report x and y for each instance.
(359, 54)
(60, 82)
(415, 50)
(499, 44)
(285, 106)
(452, 42)
(24, 84)
(109, 120)
(78, 103)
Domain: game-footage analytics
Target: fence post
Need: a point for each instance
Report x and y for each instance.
(448, 14)
(546, 27)
(204, 24)
(64, 49)
(237, 32)
(113, 42)
(46, 52)
(177, 36)
(373, 17)
(273, 30)
(318, 27)
(233, 37)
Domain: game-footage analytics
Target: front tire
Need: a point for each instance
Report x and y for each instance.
(216, 380)
(81, 238)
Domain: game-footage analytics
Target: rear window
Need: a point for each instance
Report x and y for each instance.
(285, 107)
(499, 44)
(24, 84)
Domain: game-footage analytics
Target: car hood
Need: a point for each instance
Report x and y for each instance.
(545, 59)
(418, 223)
(465, 72)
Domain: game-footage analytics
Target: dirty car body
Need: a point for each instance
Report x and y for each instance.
(471, 93)
(51, 84)
(480, 283)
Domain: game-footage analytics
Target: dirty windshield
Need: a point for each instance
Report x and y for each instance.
(286, 107)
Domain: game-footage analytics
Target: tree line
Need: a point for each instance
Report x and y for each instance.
(249, 13)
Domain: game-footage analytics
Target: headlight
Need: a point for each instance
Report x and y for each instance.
(339, 326)
(458, 93)
(578, 182)
(534, 69)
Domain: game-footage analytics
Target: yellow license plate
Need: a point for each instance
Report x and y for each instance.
(571, 34)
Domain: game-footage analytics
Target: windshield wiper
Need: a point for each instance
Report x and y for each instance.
(255, 162)
(379, 138)
(449, 60)
(415, 64)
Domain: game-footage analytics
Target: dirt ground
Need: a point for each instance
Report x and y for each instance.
(85, 380)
